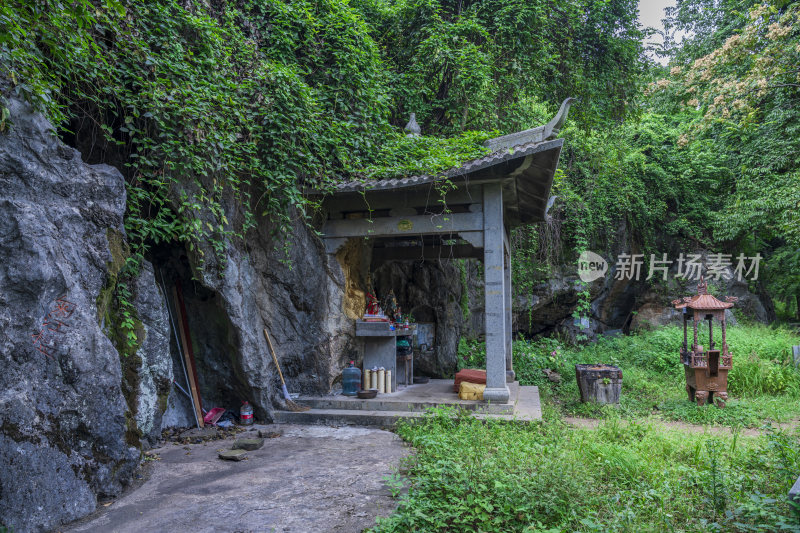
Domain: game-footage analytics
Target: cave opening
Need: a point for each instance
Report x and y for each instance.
(216, 350)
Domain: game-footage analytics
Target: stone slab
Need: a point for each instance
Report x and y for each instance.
(794, 493)
(248, 444)
(416, 397)
(374, 329)
(233, 455)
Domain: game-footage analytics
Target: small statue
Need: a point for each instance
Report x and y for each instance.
(390, 305)
(412, 127)
(372, 305)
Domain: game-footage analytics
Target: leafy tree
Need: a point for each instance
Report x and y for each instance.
(746, 91)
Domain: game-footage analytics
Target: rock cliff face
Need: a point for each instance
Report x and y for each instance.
(431, 291)
(153, 365)
(62, 412)
(297, 297)
(77, 403)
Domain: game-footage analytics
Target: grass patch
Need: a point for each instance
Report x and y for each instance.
(763, 384)
(469, 475)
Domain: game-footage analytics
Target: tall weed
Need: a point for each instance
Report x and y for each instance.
(494, 476)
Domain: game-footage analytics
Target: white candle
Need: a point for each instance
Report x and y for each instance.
(381, 381)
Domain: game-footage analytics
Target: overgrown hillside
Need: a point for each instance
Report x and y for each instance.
(232, 109)
(217, 112)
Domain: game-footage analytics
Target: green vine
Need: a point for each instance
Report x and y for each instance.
(583, 305)
(464, 303)
(218, 115)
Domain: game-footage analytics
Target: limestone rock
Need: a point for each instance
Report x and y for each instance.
(552, 375)
(431, 291)
(62, 411)
(155, 369)
(233, 455)
(298, 299)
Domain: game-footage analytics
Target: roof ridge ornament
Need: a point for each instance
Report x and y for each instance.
(412, 127)
(702, 286)
(554, 126)
(533, 135)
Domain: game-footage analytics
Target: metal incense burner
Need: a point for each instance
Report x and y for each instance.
(706, 369)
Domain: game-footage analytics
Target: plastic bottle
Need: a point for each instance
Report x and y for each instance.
(246, 414)
(351, 380)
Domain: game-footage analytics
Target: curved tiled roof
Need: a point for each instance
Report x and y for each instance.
(474, 165)
(523, 162)
(703, 302)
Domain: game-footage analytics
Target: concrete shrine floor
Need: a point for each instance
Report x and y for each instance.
(411, 402)
(311, 478)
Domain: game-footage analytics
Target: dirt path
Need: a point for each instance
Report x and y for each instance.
(593, 423)
(312, 478)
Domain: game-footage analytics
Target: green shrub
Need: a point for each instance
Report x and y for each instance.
(763, 383)
(472, 475)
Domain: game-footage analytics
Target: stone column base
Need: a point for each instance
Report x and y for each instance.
(496, 394)
(511, 376)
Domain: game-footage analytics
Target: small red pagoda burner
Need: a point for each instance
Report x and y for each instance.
(706, 369)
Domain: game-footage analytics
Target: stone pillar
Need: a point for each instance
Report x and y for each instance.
(494, 281)
(510, 375)
(695, 331)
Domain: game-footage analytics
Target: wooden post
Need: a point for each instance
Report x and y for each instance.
(494, 281)
(710, 333)
(188, 353)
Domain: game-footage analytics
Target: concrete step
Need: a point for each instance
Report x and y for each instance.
(378, 404)
(527, 409)
(340, 417)
(343, 417)
(418, 399)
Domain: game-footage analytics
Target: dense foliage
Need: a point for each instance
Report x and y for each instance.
(743, 82)
(472, 475)
(219, 113)
(709, 162)
(490, 64)
(763, 383)
(201, 107)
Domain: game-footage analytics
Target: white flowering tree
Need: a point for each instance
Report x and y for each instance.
(746, 93)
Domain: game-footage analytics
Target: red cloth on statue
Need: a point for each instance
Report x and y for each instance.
(470, 375)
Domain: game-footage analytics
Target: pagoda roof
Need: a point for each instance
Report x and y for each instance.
(523, 162)
(702, 301)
